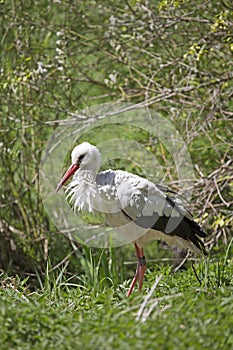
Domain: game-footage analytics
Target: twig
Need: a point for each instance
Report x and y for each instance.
(196, 275)
(147, 297)
(182, 263)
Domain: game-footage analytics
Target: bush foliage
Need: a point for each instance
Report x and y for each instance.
(60, 57)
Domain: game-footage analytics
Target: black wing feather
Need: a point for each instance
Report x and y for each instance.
(181, 226)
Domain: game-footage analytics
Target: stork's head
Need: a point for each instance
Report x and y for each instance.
(83, 157)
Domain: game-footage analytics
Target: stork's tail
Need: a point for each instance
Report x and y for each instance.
(197, 233)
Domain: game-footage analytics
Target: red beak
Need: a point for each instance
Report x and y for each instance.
(67, 175)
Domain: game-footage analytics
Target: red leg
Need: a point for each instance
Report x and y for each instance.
(141, 268)
(133, 282)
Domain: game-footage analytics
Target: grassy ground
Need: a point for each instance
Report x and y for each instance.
(190, 309)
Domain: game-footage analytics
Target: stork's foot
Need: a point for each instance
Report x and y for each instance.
(141, 269)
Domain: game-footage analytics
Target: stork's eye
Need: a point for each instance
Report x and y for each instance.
(81, 158)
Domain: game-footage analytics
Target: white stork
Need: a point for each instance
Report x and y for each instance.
(126, 197)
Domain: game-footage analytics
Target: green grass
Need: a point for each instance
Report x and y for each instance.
(190, 309)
